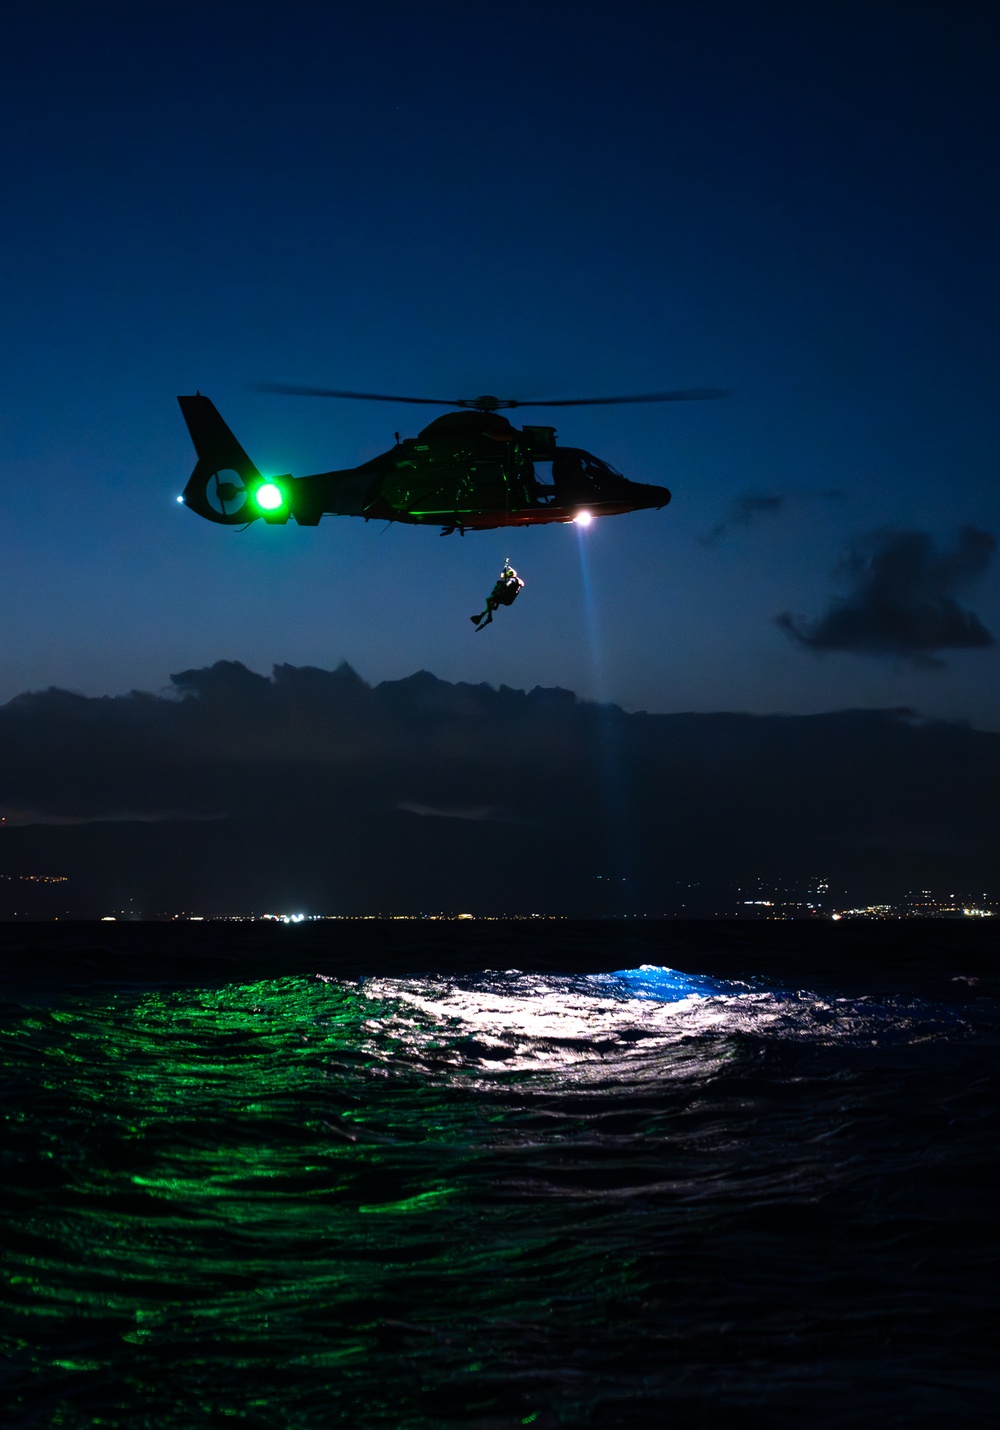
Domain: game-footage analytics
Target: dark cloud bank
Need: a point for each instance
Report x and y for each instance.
(902, 601)
(312, 789)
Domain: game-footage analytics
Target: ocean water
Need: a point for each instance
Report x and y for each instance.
(496, 1196)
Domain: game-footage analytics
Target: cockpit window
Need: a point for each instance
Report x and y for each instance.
(597, 469)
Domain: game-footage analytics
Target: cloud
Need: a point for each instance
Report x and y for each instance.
(476, 814)
(901, 601)
(23, 818)
(743, 511)
(748, 509)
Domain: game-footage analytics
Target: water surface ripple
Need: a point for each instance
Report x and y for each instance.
(498, 1199)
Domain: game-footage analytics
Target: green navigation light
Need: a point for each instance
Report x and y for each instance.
(269, 497)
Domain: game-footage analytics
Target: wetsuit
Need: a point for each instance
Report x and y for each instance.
(504, 593)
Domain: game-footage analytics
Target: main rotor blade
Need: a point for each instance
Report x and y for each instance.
(287, 389)
(493, 404)
(691, 394)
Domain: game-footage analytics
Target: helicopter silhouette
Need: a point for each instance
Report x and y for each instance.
(466, 470)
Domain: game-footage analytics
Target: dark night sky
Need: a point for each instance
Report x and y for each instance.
(794, 202)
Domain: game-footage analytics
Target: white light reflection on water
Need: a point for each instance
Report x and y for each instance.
(634, 1025)
(585, 1029)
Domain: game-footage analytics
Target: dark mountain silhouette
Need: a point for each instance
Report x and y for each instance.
(238, 792)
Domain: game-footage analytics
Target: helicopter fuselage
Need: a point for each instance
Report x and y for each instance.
(466, 470)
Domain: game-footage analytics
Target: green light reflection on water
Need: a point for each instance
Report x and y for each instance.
(253, 1178)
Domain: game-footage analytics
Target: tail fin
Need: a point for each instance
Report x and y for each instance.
(218, 488)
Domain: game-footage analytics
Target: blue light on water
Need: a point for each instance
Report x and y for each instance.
(668, 985)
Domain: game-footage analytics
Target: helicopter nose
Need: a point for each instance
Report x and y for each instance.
(657, 497)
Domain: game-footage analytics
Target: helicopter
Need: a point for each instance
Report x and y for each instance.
(467, 470)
